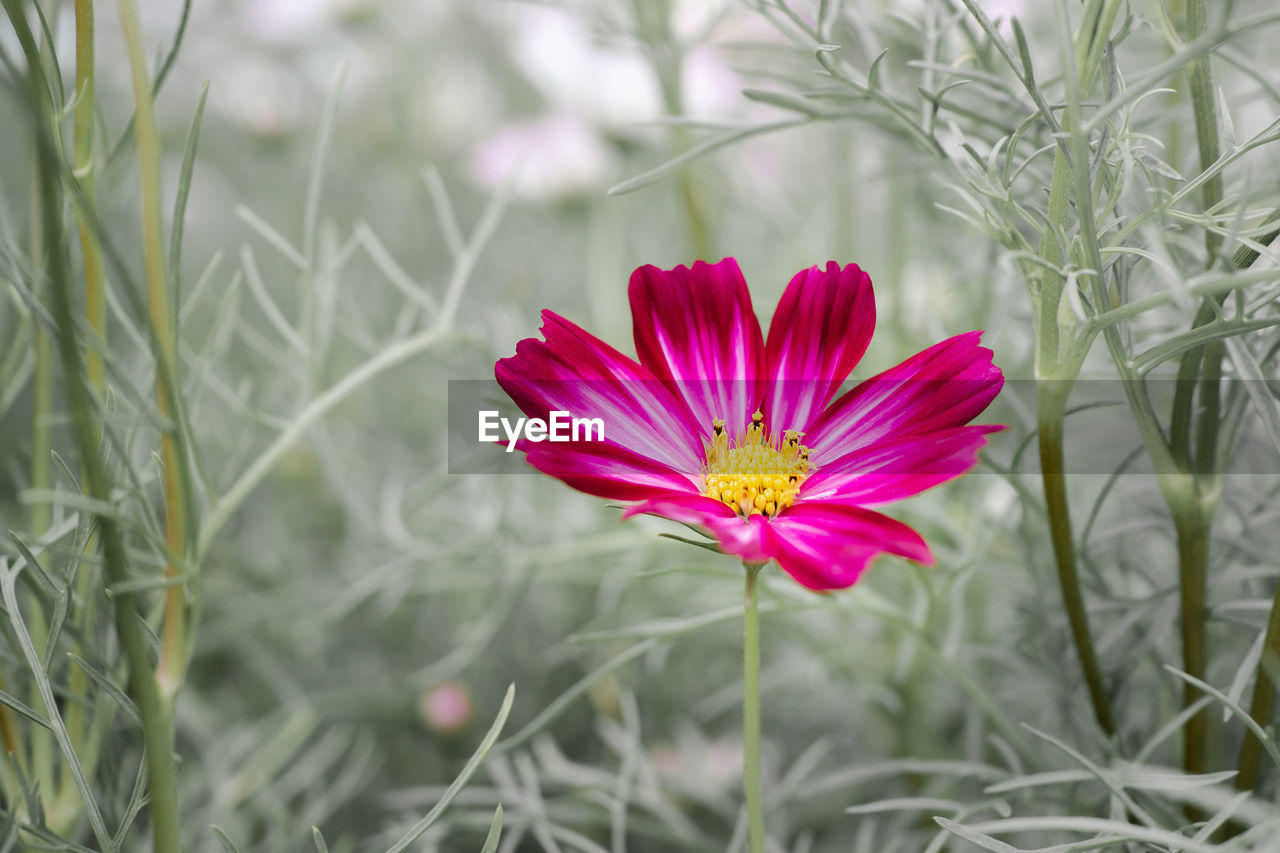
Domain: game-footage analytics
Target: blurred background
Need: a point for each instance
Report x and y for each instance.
(363, 166)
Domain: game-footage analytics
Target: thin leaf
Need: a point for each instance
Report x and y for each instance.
(180, 202)
(23, 709)
(459, 783)
(495, 832)
(719, 141)
(106, 685)
(227, 844)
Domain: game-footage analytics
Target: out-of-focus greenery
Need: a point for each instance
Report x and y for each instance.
(384, 197)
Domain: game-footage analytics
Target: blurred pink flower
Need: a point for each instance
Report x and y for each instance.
(546, 160)
(446, 708)
(716, 427)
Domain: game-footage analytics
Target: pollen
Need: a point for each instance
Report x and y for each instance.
(755, 473)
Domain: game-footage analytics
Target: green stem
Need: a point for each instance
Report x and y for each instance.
(1264, 691)
(1263, 704)
(1203, 107)
(1193, 554)
(156, 712)
(43, 245)
(1050, 406)
(85, 172)
(653, 23)
(751, 712)
(1193, 514)
(66, 807)
(173, 630)
(1060, 350)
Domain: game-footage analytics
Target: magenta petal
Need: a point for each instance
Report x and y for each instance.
(819, 332)
(605, 470)
(828, 546)
(576, 372)
(942, 387)
(696, 326)
(898, 468)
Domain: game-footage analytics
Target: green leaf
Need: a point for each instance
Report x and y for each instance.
(180, 202)
(495, 832)
(23, 709)
(227, 844)
(1024, 53)
(1260, 733)
(718, 141)
(106, 685)
(459, 783)
(710, 546)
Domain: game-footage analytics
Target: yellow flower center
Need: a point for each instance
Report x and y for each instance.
(756, 474)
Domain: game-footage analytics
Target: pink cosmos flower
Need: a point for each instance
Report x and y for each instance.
(719, 428)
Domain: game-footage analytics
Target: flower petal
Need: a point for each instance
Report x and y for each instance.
(898, 468)
(696, 326)
(605, 470)
(819, 332)
(828, 546)
(945, 386)
(575, 372)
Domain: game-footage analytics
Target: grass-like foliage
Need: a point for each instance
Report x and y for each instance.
(238, 578)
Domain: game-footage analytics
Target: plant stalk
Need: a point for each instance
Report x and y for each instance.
(751, 711)
(154, 709)
(43, 244)
(1060, 349)
(1263, 703)
(85, 174)
(1264, 690)
(1050, 406)
(1198, 368)
(1193, 552)
(95, 313)
(653, 21)
(173, 630)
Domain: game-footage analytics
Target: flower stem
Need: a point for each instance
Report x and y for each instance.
(66, 808)
(42, 758)
(1051, 400)
(751, 712)
(1193, 557)
(1264, 699)
(654, 25)
(172, 664)
(154, 708)
(1264, 690)
(85, 172)
(1193, 518)
(1061, 348)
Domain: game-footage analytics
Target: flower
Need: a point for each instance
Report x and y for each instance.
(719, 428)
(446, 707)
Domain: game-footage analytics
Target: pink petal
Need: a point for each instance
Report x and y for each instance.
(819, 332)
(822, 545)
(898, 468)
(696, 326)
(576, 372)
(828, 546)
(605, 470)
(942, 387)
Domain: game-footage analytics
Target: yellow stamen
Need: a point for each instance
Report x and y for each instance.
(754, 474)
